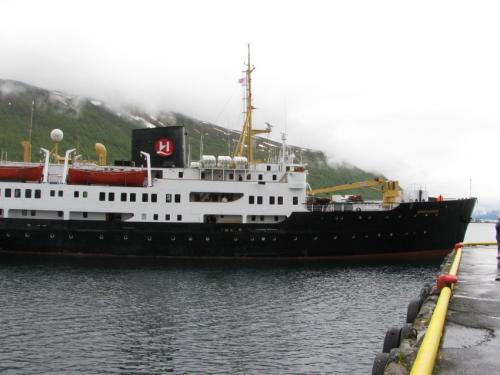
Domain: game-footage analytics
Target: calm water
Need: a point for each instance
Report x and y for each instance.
(225, 317)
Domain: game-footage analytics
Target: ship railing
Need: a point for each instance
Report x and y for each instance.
(349, 207)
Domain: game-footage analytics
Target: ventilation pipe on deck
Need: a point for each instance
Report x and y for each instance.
(148, 164)
(46, 164)
(66, 164)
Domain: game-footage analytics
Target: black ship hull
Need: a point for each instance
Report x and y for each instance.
(420, 230)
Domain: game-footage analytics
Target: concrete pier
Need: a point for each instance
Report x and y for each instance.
(471, 342)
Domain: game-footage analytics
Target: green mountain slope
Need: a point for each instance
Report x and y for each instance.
(85, 122)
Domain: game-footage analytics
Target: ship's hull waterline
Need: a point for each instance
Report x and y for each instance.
(421, 230)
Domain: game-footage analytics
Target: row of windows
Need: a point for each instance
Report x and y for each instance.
(132, 197)
(156, 217)
(76, 194)
(16, 193)
(260, 177)
(272, 200)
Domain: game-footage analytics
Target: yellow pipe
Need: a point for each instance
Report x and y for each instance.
(479, 244)
(427, 353)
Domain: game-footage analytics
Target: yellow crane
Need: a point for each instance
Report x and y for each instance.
(389, 189)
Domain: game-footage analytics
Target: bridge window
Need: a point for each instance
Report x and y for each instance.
(268, 167)
(271, 200)
(52, 193)
(153, 198)
(144, 197)
(8, 193)
(181, 174)
(132, 197)
(179, 217)
(38, 193)
(275, 177)
(260, 177)
(27, 193)
(295, 200)
(102, 195)
(60, 193)
(177, 198)
(17, 193)
(76, 194)
(123, 197)
(155, 217)
(259, 199)
(111, 197)
(251, 199)
(85, 194)
(167, 217)
(280, 200)
(168, 198)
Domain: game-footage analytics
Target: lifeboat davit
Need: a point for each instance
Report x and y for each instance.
(21, 173)
(80, 176)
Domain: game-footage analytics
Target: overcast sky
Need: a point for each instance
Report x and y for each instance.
(409, 89)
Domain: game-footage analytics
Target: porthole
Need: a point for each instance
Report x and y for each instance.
(125, 237)
(425, 232)
(386, 217)
(295, 238)
(379, 235)
(353, 237)
(235, 239)
(274, 239)
(70, 236)
(172, 238)
(366, 236)
(391, 234)
(369, 217)
(335, 237)
(406, 233)
(207, 239)
(101, 236)
(27, 235)
(400, 216)
(263, 239)
(149, 238)
(52, 235)
(190, 238)
(7, 235)
(315, 238)
(252, 239)
(360, 217)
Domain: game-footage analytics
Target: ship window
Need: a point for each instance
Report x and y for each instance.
(60, 193)
(177, 198)
(167, 217)
(251, 199)
(59, 213)
(38, 193)
(111, 197)
(153, 198)
(276, 218)
(280, 200)
(249, 176)
(262, 218)
(271, 200)
(295, 200)
(143, 216)
(202, 175)
(102, 196)
(123, 197)
(17, 193)
(231, 176)
(259, 199)
(24, 212)
(144, 197)
(268, 167)
(33, 213)
(179, 217)
(85, 194)
(253, 218)
(158, 174)
(132, 197)
(8, 193)
(52, 193)
(85, 214)
(275, 177)
(168, 198)
(287, 168)
(260, 177)
(27, 193)
(155, 217)
(181, 174)
(76, 194)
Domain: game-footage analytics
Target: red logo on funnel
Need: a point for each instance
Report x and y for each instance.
(164, 147)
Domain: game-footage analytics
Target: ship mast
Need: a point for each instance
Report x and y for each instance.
(245, 143)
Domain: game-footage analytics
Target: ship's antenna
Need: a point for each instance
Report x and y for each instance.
(201, 144)
(245, 143)
(27, 144)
